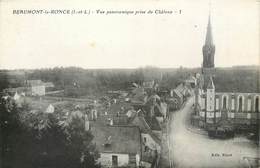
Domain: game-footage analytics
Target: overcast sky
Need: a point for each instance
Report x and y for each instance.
(121, 41)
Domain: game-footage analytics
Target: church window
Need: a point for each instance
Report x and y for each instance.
(233, 104)
(249, 104)
(217, 104)
(257, 104)
(225, 102)
(240, 104)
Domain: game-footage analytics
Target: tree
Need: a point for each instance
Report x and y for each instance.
(15, 138)
(30, 140)
(79, 145)
(64, 147)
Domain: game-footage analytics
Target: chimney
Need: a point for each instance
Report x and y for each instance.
(111, 122)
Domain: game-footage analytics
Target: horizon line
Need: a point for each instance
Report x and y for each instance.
(126, 68)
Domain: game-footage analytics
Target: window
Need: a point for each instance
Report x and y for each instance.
(217, 103)
(257, 104)
(146, 149)
(233, 104)
(240, 104)
(225, 102)
(114, 160)
(249, 104)
(144, 139)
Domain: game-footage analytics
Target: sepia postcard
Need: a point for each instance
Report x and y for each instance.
(130, 84)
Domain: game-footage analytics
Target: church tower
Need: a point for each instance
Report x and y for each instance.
(210, 101)
(208, 50)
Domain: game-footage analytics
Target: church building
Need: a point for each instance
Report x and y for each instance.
(239, 110)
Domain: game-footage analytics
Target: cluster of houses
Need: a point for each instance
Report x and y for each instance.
(30, 88)
(128, 131)
(127, 126)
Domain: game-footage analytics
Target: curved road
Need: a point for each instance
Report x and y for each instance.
(189, 149)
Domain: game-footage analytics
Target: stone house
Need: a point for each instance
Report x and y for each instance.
(36, 87)
(118, 146)
(151, 144)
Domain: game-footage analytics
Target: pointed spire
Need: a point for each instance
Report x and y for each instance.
(208, 48)
(209, 37)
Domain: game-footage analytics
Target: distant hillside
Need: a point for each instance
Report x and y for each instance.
(232, 79)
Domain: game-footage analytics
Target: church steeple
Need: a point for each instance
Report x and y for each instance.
(208, 48)
(209, 38)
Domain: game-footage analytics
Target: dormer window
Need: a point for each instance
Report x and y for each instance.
(108, 142)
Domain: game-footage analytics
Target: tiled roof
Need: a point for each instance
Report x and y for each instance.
(122, 139)
(34, 82)
(177, 92)
(48, 84)
(153, 123)
(144, 127)
(120, 107)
